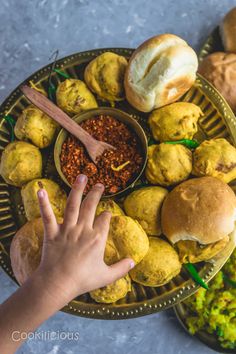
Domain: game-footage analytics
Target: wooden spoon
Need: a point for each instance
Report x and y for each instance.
(94, 147)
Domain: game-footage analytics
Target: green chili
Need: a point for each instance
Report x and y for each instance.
(191, 144)
(151, 142)
(11, 122)
(219, 332)
(62, 73)
(195, 276)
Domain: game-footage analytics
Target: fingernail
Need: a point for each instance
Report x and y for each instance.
(40, 184)
(107, 212)
(81, 179)
(132, 264)
(99, 185)
(41, 193)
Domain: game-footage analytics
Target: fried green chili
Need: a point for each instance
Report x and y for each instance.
(191, 144)
(195, 276)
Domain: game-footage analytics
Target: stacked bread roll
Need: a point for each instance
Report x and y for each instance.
(228, 31)
(219, 68)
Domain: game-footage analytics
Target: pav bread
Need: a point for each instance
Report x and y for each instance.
(228, 31)
(201, 210)
(159, 72)
(220, 69)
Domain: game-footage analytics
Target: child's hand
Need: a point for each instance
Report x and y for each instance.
(72, 258)
(72, 264)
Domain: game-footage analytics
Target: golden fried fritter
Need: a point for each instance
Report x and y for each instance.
(159, 265)
(193, 252)
(109, 205)
(104, 75)
(216, 158)
(56, 195)
(35, 126)
(168, 164)
(128, 237)
(112, 292)
(20, 163)
(175, 121)
(73, 96)
(144, 205)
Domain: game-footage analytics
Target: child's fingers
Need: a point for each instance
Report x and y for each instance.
(89, 205)
(74, 200)
(120, 269)
(47, 214)
(102, 223)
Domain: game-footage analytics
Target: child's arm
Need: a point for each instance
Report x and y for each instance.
(72, 264)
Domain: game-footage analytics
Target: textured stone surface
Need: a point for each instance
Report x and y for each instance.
(30, 32)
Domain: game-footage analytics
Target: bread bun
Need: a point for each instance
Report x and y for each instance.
(159, 72)
(200, 209)
(220, 69)
(26, 249)
(228, 31)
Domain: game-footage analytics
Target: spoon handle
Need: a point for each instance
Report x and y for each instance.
(45, 105)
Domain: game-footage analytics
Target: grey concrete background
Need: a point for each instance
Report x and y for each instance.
(30, 31)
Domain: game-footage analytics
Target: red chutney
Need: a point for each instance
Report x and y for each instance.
(75, 159)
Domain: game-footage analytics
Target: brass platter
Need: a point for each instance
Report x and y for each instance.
(211, 45)
(218, 121)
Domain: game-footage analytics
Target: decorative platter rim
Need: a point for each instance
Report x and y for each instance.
(149, 305)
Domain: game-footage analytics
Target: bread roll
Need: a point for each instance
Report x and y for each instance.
(228, 31)
(159, 72)
(220, 69)
(200, 209)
